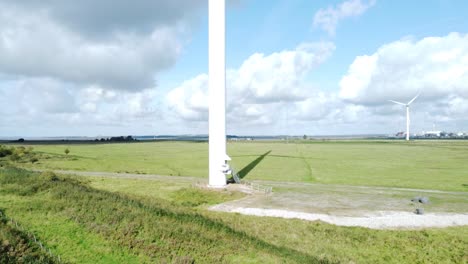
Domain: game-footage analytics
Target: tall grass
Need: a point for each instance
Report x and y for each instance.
(158, 229)
(149, 229)
(17, 247)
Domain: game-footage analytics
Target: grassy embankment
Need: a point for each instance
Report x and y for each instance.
(17, 247)
(439, 165)
(134, 230)
(87, 225)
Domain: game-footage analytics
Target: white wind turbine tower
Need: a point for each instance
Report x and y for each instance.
(407, 113)
(218, 167)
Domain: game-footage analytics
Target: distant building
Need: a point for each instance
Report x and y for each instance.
(432, 134)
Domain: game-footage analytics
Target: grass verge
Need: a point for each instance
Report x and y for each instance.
(156, 229)
(17, 247)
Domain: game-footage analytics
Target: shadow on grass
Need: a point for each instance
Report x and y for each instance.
(243, 172)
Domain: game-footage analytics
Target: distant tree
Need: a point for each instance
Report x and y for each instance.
(304, 137)
(117, 139)
(66, 151)
(21, 140)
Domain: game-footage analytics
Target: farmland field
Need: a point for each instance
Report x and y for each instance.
(141, 218)
(439, 165)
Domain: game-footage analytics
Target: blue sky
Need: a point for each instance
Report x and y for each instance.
(298, 67)
(271, 26)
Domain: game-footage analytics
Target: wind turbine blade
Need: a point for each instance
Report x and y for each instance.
(397, 102)
(412, 100)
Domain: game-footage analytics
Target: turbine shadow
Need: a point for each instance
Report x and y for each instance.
(244, 171)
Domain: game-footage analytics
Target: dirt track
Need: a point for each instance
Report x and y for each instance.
(127, 175)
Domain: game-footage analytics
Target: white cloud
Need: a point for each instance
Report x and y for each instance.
(317, 106)
(81, 66)
(101, 19)
(268, 93)
(435, 66)
(328, 19)
(190, 99)
(88, 64)
(278, 76)
(36, 104)
(33, 45)
(257, 89)
(46, 96)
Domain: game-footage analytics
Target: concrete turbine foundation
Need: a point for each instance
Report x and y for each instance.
(218, 167)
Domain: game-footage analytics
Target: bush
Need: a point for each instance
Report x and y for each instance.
(26, 183)
(4, 151)
(14, 157)
(49, 175)
(20, 150)
(18, 154)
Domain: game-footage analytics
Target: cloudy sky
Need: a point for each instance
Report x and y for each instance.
(121, 67)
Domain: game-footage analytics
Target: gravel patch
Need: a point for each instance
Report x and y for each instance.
(376, 220)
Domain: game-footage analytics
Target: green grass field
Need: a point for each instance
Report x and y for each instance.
(102, 220)
(440, 165)
(124, 220)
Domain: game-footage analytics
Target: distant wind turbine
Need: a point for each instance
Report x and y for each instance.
(407, 113)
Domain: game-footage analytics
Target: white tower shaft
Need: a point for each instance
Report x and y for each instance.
(407, 122)
(407, 114)
(217, 92)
